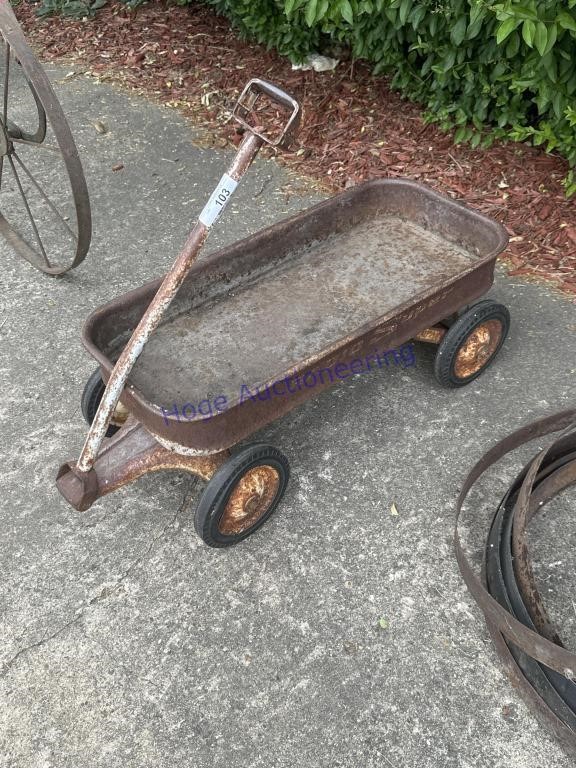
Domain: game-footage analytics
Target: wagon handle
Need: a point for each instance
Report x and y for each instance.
(246, 102)
(78, 481)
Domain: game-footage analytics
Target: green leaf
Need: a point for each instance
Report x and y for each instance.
(474, 28)
(552, 37)
(549, 63)
(557, 100)
(417, 15)
(448, 61)
(405, 8)
(524, 12)
(477, 12)
(513, 45)
(540, 37)
(566, 21)
(460, 134)
(323, 6)
(528, 32)
(310, 15)
(569, 184)
(505, 29)
(289, 6)
(458, 32)
(346, 11)
(427, 65)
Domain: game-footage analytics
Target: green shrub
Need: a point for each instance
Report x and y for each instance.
(266, 22)
(488, 69)
(75, 8)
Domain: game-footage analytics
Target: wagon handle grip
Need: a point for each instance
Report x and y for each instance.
(248, 98)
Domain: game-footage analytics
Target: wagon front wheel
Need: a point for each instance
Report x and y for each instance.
(241, 495)
(471, 343)
(93, 391)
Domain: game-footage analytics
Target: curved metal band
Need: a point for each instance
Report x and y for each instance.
(524, 636)
(557, 691)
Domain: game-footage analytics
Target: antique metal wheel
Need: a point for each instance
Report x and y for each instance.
(44, 204)
(241, 495)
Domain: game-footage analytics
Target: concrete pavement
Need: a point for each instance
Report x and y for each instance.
(127, 642)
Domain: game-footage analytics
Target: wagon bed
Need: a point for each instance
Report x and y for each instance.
(310, 300)
(372, 266)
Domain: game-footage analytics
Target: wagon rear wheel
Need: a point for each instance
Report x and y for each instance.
(471, 343)
(44, 205)
(241, 495)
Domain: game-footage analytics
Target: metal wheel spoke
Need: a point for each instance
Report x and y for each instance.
(6, 78)
(34, 227)
(53, 208)
(39, 144)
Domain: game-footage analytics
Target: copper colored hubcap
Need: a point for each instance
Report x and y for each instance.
(478, 349)
(250, 499)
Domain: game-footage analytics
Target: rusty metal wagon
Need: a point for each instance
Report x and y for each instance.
(379, 265)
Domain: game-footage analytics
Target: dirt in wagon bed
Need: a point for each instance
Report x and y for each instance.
(354, 127)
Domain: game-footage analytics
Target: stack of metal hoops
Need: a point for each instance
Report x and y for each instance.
(525, 638)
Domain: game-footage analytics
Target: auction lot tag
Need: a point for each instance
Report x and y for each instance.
(218, 200)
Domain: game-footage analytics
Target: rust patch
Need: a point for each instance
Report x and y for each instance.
(478, 349)
(119, 415)
(131, 453)
(432, 335)
(250, 499)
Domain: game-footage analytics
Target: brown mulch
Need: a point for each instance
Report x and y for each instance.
(354, 128)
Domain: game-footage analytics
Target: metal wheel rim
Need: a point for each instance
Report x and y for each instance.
(43, 94)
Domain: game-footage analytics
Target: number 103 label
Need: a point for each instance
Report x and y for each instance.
(218, 200)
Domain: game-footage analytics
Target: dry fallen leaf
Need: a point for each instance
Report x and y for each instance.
(118, 167)
(100, 126)
(382, 623)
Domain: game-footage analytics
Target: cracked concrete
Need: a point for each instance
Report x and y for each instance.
(108, 590)
(127, 642)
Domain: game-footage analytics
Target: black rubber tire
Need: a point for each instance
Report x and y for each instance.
(220, 486)
(456, 336)
(90, 401)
